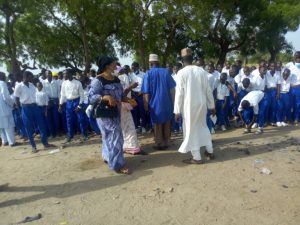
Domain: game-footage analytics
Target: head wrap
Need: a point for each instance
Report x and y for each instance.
(102, 62)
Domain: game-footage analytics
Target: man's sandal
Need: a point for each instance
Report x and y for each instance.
(192, 161)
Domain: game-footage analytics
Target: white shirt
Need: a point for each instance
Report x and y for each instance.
(41, 98)
(71, 90)
(216, 75)
(239, 78)
(136, 79)
(52, 89)
(140, 74)
(25, 94)
(258, 83)
(222, 90)
(272, 81)
(295, 76)
(211, 81)
(86, 95)
(254, 98)
(255, 72)
(230, 80)
(225, 70)
(60, 82)
(125, 81)
(285, 85)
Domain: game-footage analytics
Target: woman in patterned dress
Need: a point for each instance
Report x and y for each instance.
(108, 88)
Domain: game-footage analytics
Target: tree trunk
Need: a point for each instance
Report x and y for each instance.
(222, 57)
(87, 52)
(13, 63)
(170, 42)
(141, 49)
(272, 56)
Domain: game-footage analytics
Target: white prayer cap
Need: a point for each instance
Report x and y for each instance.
(153, 58)
(186, 52)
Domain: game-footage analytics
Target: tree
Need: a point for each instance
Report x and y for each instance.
(10, 11)
(279, 18)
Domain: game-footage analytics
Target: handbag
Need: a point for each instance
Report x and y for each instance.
(102, 110)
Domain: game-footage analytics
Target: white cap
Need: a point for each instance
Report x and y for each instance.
(153, 58)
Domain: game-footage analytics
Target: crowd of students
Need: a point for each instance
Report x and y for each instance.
(54, 104)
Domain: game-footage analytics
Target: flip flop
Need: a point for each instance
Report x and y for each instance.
(209, 156)
(31, 218)
(192, 161)
(124, 171)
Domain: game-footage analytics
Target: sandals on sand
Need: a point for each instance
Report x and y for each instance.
(209, 156)
(125, 170)
(192, 161)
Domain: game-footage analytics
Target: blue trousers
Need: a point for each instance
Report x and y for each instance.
(263, 109)
(140, 118)
(241, 95)
(248, 115)
(63, 120)
(295, 91)
(71, 115)
(90, 122)
(209, 122)
(20, 129)
(232, 106)
(284, 108)
(53, 118)
(31, 116)
(272, 106)
(176, 125)
(222, 114)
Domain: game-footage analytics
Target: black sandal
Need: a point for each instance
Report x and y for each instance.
(209, 156)
(192, 161)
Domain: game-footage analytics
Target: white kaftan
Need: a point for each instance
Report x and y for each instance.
(192, 99)
(131, 144)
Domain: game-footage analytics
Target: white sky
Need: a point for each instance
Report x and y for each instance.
(292, 37)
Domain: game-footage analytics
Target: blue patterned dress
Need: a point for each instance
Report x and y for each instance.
(112, 138)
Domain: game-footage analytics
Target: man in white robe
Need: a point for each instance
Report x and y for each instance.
(192, 99)
(6, 117)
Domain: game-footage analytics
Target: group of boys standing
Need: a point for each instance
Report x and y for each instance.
(256, 97)
(59, 102)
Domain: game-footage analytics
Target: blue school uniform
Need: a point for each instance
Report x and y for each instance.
(30, 112)
(295, 91)
(222, 93)
(271, 82)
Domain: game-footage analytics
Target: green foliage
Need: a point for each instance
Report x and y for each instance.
(72, 33)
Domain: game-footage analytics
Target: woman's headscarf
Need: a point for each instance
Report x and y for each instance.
(102, 62)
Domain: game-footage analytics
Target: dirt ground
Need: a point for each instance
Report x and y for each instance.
(75, 187)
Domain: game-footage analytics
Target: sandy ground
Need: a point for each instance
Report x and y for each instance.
(75, 187)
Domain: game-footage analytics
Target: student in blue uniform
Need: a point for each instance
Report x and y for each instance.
(250, 107)
(258, 83)
(52, 88)
(273, 92)
(25, 96)
(284, 114)
(295, 71)
(42, 103)
(222, 97)
(72, 93)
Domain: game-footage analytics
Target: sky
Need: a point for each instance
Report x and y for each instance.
(292, 37)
